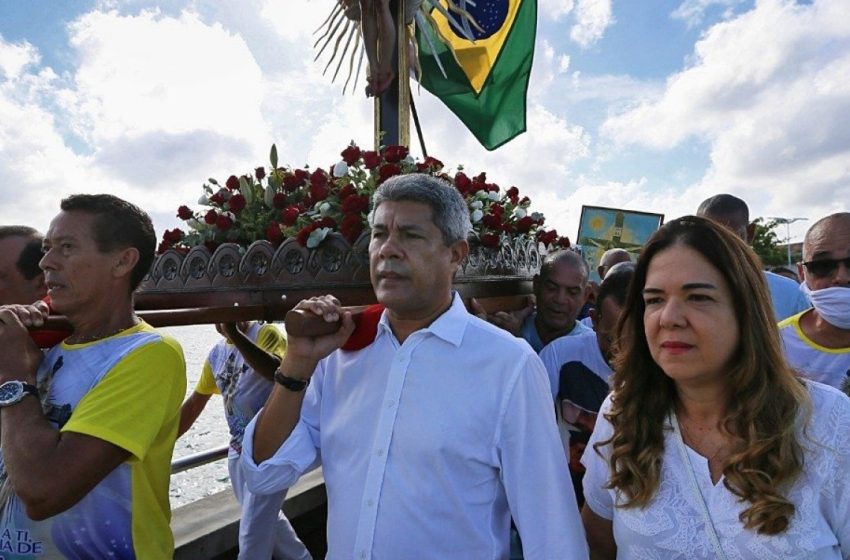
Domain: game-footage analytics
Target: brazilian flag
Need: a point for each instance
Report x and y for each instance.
(487, 89)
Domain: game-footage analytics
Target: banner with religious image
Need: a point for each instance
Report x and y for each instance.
(603, 228)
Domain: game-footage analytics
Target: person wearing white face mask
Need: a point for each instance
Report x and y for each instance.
(817, 341)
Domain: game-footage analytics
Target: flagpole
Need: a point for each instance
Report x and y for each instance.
(392, 108)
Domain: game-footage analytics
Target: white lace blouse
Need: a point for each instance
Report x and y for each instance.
(672, 527)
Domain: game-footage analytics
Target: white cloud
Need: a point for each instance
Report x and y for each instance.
(592, 19)
(563, 63)
(556, 9)
(770, 92)
(15, 57)
(692, 12)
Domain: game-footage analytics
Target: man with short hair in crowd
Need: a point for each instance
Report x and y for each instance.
(579, 368)
(817, 341)
(560, 291)
(88, 428)
(21, 280)
(437, 431)
(610, 258)
(734, 213)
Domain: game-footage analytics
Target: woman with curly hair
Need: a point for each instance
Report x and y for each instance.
(709, 446)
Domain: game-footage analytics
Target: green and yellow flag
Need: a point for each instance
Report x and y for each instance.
(486, 85)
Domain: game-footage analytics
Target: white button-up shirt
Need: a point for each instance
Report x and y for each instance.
(429, 447)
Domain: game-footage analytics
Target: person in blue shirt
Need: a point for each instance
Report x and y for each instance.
(733, 213)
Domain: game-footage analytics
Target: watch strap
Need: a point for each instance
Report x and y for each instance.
(294, 385)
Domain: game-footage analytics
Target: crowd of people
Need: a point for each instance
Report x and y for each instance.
(689, 406)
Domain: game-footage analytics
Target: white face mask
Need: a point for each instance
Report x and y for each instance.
(833, 304)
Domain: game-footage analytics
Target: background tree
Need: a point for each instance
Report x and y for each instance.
(766, 243)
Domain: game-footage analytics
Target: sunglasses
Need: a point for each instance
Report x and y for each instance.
(826, 267)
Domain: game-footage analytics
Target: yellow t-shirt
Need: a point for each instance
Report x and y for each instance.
(126, 389)
(830, 366)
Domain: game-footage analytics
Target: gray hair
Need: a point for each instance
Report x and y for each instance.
(568, 257)
(448, 208)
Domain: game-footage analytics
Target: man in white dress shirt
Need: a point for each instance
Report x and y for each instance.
(437, 432)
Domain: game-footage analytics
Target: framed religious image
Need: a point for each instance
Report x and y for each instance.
(603, 228)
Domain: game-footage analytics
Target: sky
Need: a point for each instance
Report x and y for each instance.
(643, 105)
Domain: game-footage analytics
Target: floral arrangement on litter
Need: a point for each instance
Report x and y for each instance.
(288, 202)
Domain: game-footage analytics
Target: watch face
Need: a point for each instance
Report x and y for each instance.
(10, 392)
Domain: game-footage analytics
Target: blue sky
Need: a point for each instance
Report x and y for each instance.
(650, 105)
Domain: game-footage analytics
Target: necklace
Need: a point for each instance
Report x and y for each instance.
(697, 444)
(82, 339)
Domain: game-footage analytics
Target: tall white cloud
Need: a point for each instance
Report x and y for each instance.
(770, 92)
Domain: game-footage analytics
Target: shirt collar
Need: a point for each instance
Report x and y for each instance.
(449, 326)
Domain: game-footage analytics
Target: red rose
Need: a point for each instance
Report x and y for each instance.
(319, 178)
(524, 224)
(394, 154)
(318, 193)
(351, 227)
(217, 198)
(355, 204)
(351, 154)
(347, 191)
(388, 170)
(525, 201)
(185, 213)
(492, 221)
(430, 164)
(259, 173)
(508, 228)
(327, 222)
(513, 192)
(304, 233)
(237, 203)
(371, 159)
(232, 182)
(163, 247)
(279, 200)
(462, 182)
(211, 245)
(290, 215)
(211, 217)
(274, 234)
(291, 181)
(173, 235)
(490, 240)
(497, 209)
(491, 187)
(224, 222)
(563, 242)
(547, 237)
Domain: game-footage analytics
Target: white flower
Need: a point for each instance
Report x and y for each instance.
(536, 216)
(230, 215)
(224, 193)
(317, 236)
(204, 201)
(268, 196)
(482, 194)
(476, 216)
(194, 223)
(520, 212)
(493, 195)
(476, 204)
(340, 169)
(408, 159)
(324, 209)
